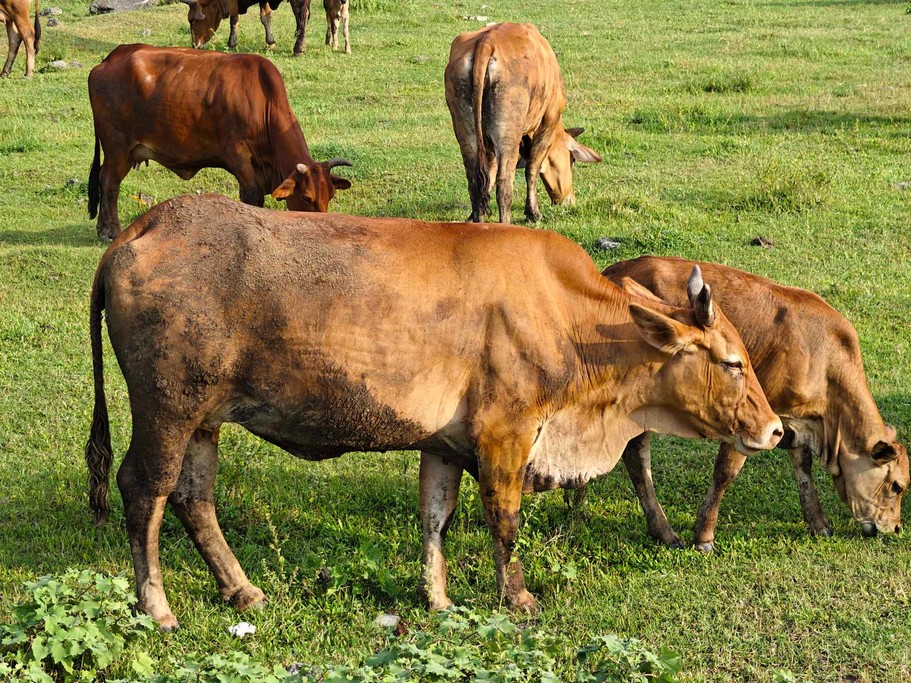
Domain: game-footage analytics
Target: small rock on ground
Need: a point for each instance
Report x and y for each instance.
(606, 243)
(48, 11)
(59, 65)
(387, 620)
(764, 242)
(52, 22)
(107, 6)
(146, 32)
(902, 185)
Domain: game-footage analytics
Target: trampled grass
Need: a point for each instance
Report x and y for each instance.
(718, 122)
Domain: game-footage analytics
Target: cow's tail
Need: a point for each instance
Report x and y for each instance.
(98, 454)
(95, 180)
(482, 55)
(37, 27)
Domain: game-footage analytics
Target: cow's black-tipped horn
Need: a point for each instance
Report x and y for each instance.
(694, 284)
(336, 161)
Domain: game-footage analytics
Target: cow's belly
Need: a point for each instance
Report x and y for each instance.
(175, 160)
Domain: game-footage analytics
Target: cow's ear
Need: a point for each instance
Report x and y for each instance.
(582, 153)
(662, 332)
(286, 189)
(340, 183)
(634, 288)
(884, 452)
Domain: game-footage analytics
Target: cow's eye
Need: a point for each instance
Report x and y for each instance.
(897, 488)
(734, 366)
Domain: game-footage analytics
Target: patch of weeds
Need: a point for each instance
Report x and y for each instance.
(786, 189)
(362, 572)
(71, 628)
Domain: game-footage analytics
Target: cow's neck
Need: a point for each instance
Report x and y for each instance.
(852, 422)
(289, 148)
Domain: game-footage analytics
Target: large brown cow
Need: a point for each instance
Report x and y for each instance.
(14, 15)
(205, 17)
(506, 97)
(190, 110)
(325, 334)
(807, 359)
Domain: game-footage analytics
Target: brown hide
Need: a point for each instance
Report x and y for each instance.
(807, 359)
(190, 110)
(505, 92)
(14, 15)
(486, 348)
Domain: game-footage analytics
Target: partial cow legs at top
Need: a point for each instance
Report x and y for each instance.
(193, 501)
(301, 9)
(232, 38)
(439, 490)
(14, 40)
(507, 160)
(265, 16)
(113, 171)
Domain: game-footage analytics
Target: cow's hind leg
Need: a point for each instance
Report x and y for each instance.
(637, 457)
(193, 501)
(536, 155)
(113, 171)
(232, 38)
(345, 14)
(439, 490)
(265, 16)
(27, 34)
(507, 160)
(727, 466)
(802, 461)
(301, 10)
(14, 40)
(147, 476)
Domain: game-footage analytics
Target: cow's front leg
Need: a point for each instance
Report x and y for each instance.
(439, 491)
(637, 457)
(345, 13)
(265, 16)
(301, 9)
(802, 461)
(727, 466)
(193, 501)
(501, 474)
(232, 38)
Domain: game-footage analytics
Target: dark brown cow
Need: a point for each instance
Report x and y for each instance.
(205, 17)
(14, 15)
(336, 13)
(506, 97)
(190, 110)
(807, 359)
(498, 350)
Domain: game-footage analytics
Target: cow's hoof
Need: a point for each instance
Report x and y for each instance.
(167, 623)
(825, 531)
(533, 217)
(439, 604)
(4, 74)
(270, 46)
(705, 547)
(248, 597)
(524, 602)
(676, 544)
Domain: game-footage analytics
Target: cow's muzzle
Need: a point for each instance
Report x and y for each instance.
(868, 529)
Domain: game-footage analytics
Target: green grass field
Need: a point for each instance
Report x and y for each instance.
(718, 120)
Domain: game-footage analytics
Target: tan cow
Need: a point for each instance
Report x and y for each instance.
(14, 15)
(808, 361)
(325, 334)
(506, 97)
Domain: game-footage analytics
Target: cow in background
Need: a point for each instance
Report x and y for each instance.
(14, 14)
(807, 359)
(206, 15)
(337, 12)
(190, 110)
(506, 97)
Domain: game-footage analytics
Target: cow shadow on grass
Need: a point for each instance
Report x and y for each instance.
(70, 235)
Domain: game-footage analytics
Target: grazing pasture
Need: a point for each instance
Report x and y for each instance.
(719, 122)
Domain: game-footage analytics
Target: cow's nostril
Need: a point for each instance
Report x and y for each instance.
(778, 433)
(898, 528)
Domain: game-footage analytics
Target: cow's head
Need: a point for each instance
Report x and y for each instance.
(872, 483)
(204, 18)
(557, 170)
(707, 387)
(311, 187)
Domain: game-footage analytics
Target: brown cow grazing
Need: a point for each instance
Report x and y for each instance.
(337, 12)
(205, 16)
(506, 97)
(807, 359)
(302, 328)
(14, 14)
(190, 110)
